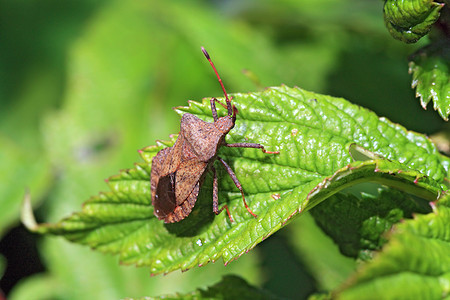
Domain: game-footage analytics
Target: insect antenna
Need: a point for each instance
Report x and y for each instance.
(231, 111)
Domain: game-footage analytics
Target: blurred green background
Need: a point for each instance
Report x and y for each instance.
(85, 84)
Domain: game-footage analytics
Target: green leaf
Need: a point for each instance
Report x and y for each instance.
(414, 264)
(319, 253)
(230, 287)
(430, 68)
(314, 134)
(410, 20)
(16, 179)
(360, 221)
(36, 287)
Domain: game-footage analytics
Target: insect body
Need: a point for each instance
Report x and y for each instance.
(178, 171)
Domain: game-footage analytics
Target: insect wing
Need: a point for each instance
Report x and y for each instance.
(182, 211)
(175, 182)
(160, 202)
(173, 159)
(187, 176)
(157, 168)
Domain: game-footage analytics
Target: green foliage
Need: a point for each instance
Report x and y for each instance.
(410, 20)
(414, 264)
(37, 174)
(361, 221)
(84, 84)
(122, 221)
(430, 68)
(325, 261)
(230, 287)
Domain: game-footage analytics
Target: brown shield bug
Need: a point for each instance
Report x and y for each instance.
(178, 171)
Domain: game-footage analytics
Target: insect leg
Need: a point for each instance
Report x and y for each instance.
(216, 196)
(251, 145)
(213, 108)
(237, 183)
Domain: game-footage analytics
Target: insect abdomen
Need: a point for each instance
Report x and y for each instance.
(165, 201)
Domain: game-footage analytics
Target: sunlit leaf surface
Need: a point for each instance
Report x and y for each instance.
(317, 136)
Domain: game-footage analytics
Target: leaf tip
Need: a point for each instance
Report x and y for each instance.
(423, 102)
(433, 205)
(26, 213)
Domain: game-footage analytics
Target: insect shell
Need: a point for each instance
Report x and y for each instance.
(178, 171)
